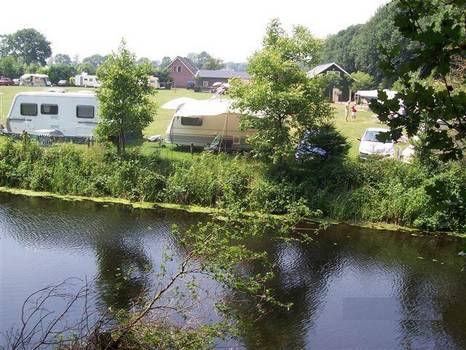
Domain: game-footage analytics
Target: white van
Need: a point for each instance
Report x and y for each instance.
(200, 122)
(72, 114)
(371, 145)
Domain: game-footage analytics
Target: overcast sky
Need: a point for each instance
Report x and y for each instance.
(231, 30)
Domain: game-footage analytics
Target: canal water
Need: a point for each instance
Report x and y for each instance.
(351, 288)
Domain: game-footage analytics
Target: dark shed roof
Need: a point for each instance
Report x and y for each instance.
(221, 74)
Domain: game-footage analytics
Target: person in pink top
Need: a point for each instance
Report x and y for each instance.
(353, 112)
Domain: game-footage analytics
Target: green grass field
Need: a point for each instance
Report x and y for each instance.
(352, 130)
(158, 126)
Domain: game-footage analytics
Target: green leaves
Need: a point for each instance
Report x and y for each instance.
(126, 106)
(432, 81)
(280, 91)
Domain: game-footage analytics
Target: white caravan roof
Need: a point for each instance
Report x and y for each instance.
(368, 94)
(204, 108)
(177, 102)
(25, 76)
(56, 94)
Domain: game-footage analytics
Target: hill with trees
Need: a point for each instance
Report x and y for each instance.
(358, 47)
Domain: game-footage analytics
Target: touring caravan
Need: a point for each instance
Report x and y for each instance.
(198, 123)
(86, 80)
(72, 114)
(154, 82)
(34, 80)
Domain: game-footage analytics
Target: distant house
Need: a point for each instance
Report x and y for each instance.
(205, 78)
(340, 92)
(182, 71)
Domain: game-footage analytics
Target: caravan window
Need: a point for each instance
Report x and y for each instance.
(28, 109)
(85, 111)
(49, 109)
(191, 121)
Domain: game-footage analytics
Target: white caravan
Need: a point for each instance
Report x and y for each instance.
(34, 80)
(86, 80)
(71, 114)
(200, 122)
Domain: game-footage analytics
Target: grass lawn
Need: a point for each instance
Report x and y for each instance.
(158, 126)
(352, 130)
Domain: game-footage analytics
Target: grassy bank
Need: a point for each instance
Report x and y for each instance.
(193, 209)
(349, 191)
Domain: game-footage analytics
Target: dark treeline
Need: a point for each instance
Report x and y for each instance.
(29, 51)
(357, 48)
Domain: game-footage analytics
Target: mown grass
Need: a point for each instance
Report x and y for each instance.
(158, 126)
(352, 130)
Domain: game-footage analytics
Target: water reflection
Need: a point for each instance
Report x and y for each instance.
(418, 282)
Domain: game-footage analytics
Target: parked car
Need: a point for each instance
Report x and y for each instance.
(374, 142)
(190, 85)
(6, 81)
(308, 150)
(62, 82)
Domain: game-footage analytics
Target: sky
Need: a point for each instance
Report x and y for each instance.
(230, 30)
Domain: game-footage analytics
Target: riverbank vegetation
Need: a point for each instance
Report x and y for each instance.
(415, 195)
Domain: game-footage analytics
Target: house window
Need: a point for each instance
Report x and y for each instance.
(178, 69)
(191, 121)
(85, 111)
(205, 83)
(49, 109)
(29, 109)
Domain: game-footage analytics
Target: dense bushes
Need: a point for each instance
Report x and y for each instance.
(378, 191)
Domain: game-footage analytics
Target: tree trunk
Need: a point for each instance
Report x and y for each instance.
(121, 143)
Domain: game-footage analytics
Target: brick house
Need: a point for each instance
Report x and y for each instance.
(182, 70)
(206, 77)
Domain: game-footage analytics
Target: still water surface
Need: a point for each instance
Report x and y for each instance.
(352, 288)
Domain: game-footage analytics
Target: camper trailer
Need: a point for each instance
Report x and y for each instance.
(154, 82)
(201, 123)
(86, 80)
(71, 114)
(34, 80)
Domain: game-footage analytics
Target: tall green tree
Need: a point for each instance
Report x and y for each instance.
(204, 60)
(57, 72)
(28, 44)
(94, 60)
(362, 81)
(11, 67)
(339, 48)
(279, 91)
(126, 106)
(86, 67)
(62, 59)
(432, 91)
(213, 63)
(357, 48)
(165, 62)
